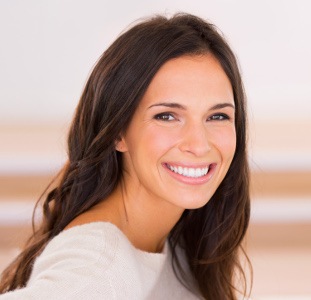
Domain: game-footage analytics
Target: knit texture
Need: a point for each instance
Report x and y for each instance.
(97, 261)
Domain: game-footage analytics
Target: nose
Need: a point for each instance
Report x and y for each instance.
(195, 139)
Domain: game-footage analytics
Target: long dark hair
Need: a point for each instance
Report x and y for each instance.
(211, 236)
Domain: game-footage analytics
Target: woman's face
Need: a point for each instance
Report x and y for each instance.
(181, 140)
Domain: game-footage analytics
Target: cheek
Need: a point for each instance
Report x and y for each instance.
(151, 143)
(159, 140)
(226, 143)
(146, 148)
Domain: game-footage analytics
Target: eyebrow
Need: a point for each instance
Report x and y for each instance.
(169, 104)
(177, 105)
(222, 105)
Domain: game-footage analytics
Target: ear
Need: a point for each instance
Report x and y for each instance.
(120, 144)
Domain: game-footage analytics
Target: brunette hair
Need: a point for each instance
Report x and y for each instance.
(211, 236)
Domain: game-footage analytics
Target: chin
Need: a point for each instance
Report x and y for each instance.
(194, 204)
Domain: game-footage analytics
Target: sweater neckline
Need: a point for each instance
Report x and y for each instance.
(104, 225)
(111, 233)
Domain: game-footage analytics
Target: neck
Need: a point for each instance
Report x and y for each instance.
(145, 220)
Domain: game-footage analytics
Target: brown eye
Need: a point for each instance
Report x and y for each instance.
(165, 117)
(218, 117)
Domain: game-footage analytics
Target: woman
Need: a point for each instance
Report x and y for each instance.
(153, 202)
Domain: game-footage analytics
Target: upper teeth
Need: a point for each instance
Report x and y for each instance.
(189, 172)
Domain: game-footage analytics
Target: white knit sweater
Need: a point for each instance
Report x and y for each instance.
(97, 261)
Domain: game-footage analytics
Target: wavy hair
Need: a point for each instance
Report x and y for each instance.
(212, 235)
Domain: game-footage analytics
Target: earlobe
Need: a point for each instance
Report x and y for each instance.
(120, 145)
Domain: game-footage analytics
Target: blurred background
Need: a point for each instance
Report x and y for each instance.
(47, 51)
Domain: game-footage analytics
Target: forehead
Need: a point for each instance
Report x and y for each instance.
(190, 77)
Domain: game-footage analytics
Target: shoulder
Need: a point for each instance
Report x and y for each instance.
(85, 259)
(94, 236)
(83, 262)
(96, 245)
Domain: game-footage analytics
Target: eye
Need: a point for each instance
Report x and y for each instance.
(165, 117)
(218, 117)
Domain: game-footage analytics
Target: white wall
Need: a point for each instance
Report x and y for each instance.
(48, 48)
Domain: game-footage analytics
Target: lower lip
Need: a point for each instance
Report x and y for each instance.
(192, 180)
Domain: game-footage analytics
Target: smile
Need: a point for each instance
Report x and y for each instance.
(189, 172)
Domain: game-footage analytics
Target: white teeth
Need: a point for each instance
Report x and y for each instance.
(189, 172)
